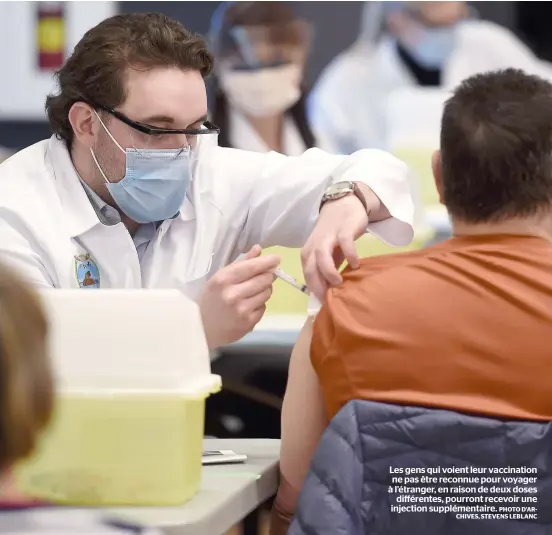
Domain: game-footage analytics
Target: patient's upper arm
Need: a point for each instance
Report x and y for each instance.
(303, 419)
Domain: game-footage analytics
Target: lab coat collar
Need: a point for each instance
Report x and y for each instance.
(187, 212)
(80, 213)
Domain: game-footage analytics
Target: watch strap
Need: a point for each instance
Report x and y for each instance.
(360, 197)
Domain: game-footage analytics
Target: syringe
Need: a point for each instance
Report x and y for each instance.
(291, 281)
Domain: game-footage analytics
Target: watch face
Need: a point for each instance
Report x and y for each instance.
(339, 190)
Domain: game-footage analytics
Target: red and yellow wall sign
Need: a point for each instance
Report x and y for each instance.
(50, 35)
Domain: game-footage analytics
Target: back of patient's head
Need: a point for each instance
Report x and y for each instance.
(25, 376)
(496, 148)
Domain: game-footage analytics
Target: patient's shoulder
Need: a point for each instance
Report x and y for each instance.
(401, 274)
(377, 265)
(461, 267)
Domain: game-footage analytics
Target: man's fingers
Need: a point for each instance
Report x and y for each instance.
(251, 267)
(318, 286)
(249, 306)
(338, 258)
(305, 255)
(326, 265)
(260, 300)
(253, 286)
(254, 252)
(316, 283)
(257, 315)
(347, 246)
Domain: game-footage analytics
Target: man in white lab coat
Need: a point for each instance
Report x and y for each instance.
(132, 191)
(401, 45)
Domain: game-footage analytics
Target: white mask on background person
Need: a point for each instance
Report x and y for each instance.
(262, 92)
(432, 46)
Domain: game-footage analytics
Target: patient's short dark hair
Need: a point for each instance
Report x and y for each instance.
(496, 147)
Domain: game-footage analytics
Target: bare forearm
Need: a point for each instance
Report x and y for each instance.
(303, 422)
(284, 507)
(280, 520)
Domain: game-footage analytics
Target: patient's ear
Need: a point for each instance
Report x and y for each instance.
(436, 167)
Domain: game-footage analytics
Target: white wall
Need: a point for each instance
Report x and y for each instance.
(23, 87)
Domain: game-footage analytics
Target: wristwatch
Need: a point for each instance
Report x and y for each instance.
(342, 189)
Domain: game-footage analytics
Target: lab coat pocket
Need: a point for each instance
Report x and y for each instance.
(194, 284)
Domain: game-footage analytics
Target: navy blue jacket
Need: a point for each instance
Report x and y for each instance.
(350, 491)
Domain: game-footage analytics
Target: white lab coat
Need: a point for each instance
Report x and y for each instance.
(348, 103)
(237, 199)
(243, 136)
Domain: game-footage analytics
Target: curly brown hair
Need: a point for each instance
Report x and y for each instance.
(95, 71)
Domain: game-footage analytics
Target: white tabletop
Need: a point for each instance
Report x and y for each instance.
(228, 492)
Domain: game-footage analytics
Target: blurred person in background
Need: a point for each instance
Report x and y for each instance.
(26, 407)
(406, 44)
(260, 50)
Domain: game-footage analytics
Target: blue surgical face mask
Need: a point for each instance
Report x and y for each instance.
(155, 183)
(433, 47)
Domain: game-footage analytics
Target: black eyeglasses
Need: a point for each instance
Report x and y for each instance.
(209, 127)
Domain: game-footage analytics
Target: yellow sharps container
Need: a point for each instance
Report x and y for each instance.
(133, 373)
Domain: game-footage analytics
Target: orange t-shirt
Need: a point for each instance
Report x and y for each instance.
(464, 325)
